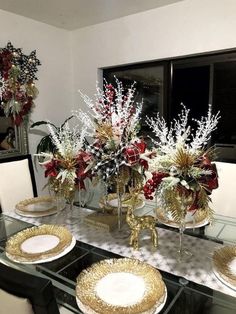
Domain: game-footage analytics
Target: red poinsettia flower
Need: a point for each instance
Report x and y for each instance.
(141, 146)
(51, 168)
(210, 181)
(82, 159)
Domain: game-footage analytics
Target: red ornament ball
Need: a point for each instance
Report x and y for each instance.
(132, 155)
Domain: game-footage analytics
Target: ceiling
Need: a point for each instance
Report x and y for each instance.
(73, 14)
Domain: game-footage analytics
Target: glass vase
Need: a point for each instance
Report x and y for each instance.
(72, 217)
(56, 192)
(183, 253)
(122, 230)
(83, 194)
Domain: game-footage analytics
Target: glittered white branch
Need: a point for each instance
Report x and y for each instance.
(179, 134)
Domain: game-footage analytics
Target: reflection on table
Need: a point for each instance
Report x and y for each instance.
(184, 296)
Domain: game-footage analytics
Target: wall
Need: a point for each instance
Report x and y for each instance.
(187, 27)
(55, 80)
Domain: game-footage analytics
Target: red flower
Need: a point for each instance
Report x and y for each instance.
(143, 163)
(141, 146)
(84, 156)
(82, 162)
(51, 168)
(210, 181)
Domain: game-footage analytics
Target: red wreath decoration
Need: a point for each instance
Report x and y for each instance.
(17, 87)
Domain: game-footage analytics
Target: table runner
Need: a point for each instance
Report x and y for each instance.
(197, 269)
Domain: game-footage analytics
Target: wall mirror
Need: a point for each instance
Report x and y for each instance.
(13, 139)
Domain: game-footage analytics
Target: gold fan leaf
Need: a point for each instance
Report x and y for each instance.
(203, 198)
(203, 201)
(172, 204)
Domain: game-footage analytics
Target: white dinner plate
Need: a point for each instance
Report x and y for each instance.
(39, 244)
(46, 260)
(218, 276)
(224, 265)
(89, 311)
(120, 285)
(190, 224)
(40, 206)
(110, 202)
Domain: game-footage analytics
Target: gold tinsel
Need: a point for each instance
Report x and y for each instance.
(183, 159)
(104, 132)
(65, 189)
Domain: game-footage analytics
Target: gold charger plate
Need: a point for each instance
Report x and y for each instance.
(106, 202)
(222, 259)
(200, 220)
(121, 286)
(39, 244)
(37, 207)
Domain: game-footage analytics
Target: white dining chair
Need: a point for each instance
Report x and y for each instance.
(13, 304)
(17, 181)
(224, 197)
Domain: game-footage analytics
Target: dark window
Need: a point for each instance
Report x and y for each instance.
(150, 87)
(195, 81)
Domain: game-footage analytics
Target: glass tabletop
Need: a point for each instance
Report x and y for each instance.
(184, 296)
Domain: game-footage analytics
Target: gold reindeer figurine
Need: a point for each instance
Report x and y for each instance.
(137, 224)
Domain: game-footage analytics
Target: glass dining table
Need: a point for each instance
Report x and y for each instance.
(185, 294)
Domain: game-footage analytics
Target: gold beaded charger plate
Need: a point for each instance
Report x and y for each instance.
(110, 202)
(40, 244)
(199, 219)
(37, 207)
(121, 286)
(224, 265)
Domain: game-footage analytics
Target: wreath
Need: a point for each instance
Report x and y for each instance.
(17, 87)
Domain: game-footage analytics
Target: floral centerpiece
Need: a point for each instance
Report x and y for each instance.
(67, 166)
(114, 125)
(183, 175)
(17, 87)
(119, 156)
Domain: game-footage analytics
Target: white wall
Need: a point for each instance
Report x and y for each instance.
(187, 27)
(55, 80)
(70, 60)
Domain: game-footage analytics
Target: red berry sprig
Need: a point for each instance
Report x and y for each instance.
(152, 184)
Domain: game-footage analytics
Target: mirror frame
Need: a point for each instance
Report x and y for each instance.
(22, 147)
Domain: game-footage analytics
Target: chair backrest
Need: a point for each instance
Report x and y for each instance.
(38, 291)
(13, 304)
(224, 197)
(17, 181)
